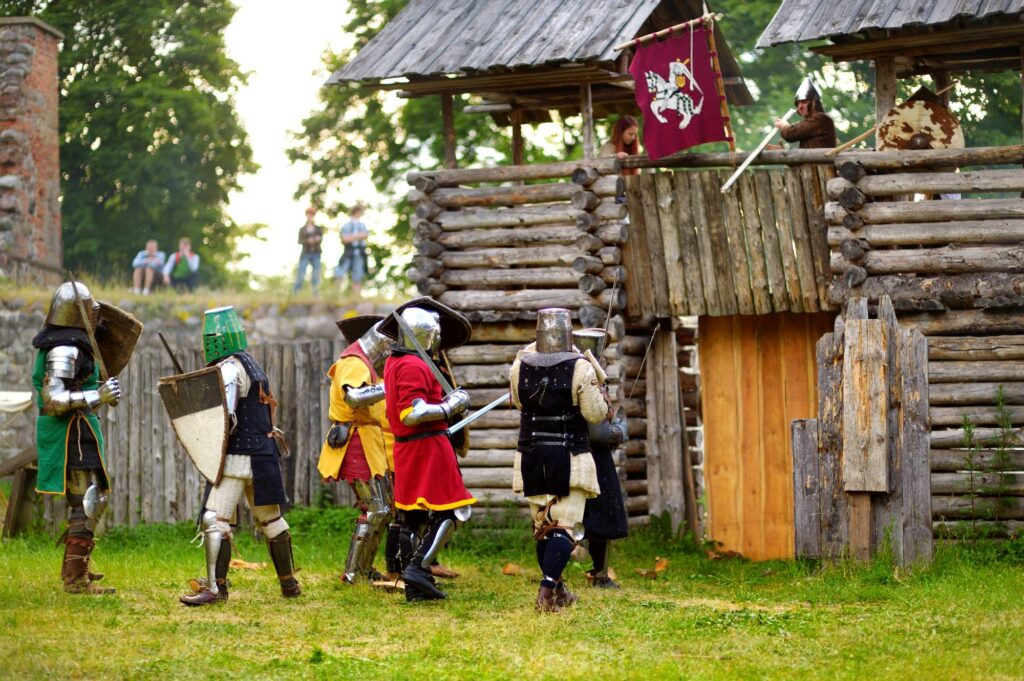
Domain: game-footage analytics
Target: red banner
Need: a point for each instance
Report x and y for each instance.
(677, 93)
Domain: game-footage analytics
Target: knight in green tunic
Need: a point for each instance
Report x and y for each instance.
(68, 436)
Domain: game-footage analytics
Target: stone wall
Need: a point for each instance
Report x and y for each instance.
(20, 320)
(30, 218)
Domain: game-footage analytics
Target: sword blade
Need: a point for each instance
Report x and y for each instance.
(480, 412)
(445, 385)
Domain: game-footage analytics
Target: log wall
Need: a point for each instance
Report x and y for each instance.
(758, 249)
(953, 270)
(498, 244)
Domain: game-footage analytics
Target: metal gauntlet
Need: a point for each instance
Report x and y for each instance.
(364, 396)
(421, 412)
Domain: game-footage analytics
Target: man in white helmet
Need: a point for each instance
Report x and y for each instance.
(816, 130)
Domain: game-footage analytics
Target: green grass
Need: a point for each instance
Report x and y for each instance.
(959, 618)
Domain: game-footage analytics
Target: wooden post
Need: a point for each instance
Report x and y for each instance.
(587, 112)
(448, 126)
(517, 137)
(806, 511)
(19, 505)
(941, 81)
(885, 89)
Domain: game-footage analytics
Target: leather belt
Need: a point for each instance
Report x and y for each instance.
(420, 436)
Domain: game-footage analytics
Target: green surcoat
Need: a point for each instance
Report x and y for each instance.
(52, 432)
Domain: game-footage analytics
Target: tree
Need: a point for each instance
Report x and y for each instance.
(151, 143)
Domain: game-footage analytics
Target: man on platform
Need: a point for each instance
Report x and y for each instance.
(69, 441)
(558, 390)
(429, 491)
(360, 447)
(605, 516)
(251, 466)
(816, 130)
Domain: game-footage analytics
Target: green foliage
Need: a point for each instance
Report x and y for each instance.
(151, 143)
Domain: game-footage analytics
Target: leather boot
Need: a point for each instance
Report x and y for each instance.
(420, 585)
(563, 597)
(281, 554)
(601, 580)
(546, 601)
(75, 568)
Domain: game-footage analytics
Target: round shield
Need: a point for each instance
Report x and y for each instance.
(920, 124)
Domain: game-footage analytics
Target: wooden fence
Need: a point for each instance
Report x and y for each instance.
(759, 249)
(861, 468)
(953, 271)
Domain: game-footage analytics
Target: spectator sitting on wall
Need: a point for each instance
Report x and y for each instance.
(625, 141)
(353, 259)
(145, 266)
(182, 268)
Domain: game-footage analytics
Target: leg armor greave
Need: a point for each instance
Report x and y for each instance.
(213, 540)
(392, 549)
(280, 547)
(358, 549)
(439, 531)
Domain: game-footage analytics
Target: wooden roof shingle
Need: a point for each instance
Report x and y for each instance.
(801, 20)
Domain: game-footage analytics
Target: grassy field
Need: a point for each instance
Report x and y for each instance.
(960, 618)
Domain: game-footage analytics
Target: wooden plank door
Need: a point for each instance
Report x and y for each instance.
(757, 375)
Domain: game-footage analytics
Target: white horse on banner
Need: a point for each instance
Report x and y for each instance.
(668, 94)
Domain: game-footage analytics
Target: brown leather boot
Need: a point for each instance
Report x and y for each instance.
(75, 568)
(563, 597)
(546, 601)
(206, 597)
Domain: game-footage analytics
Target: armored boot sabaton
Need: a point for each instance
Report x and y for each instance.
(280, 548)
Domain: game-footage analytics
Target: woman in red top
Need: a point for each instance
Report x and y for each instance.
(429, 491)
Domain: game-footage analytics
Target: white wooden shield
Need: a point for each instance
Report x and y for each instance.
(198, 410)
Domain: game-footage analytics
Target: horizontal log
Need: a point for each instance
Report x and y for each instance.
(536, 171)
(610, 255)
(480, 397)
(592, 284)
(529, 300)
(613, 233)
(930, 211)
(428, 210)
(494, 438)
(851, 171)
(637, 427)
(512, 195)
(472, 376)
(975, 393)
(614, 299)
(426, 286)
(609, 209)
(541, 256)
(946, 260)
(953, 438)
(584, 200)
(635, 487)
(415, 196)
(547, 277)
(18, 461)
(501, 418)
(513, 238)
(968, 372)
(587, 264)
(959, 322)
(505, 332)
(636, 465)
(637, 504)
(949, 460)
(425, 247)
(634, 447)
(958, 291)
(425, 228)
(587, 222)
(934, 183)
(631, 388)
(488, 497)
(726, 159)
(609, 185)
(487, 477)
(635, 345)
(984, 507)
(615, 274)
(934, 233)
(976, 348)
(931, 158)
(488, 457)
(588, 243)
(476, 218)
(585, 176)
(991, 529)
(852, 199)
(424, 184)
(484, 353)
(976, 415)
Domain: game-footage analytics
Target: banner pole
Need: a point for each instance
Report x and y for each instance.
(720, 83)
(667, 31)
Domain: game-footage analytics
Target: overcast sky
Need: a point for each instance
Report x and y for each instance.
(280, 45)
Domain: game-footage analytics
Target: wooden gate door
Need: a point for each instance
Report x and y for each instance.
(757, 374)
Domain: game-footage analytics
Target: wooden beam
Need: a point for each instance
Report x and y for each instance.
(587, 112)
(517, 137)
(938, 41)
(885, 89)
(448, 126)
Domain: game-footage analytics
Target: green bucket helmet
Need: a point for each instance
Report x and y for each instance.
(223, 333)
